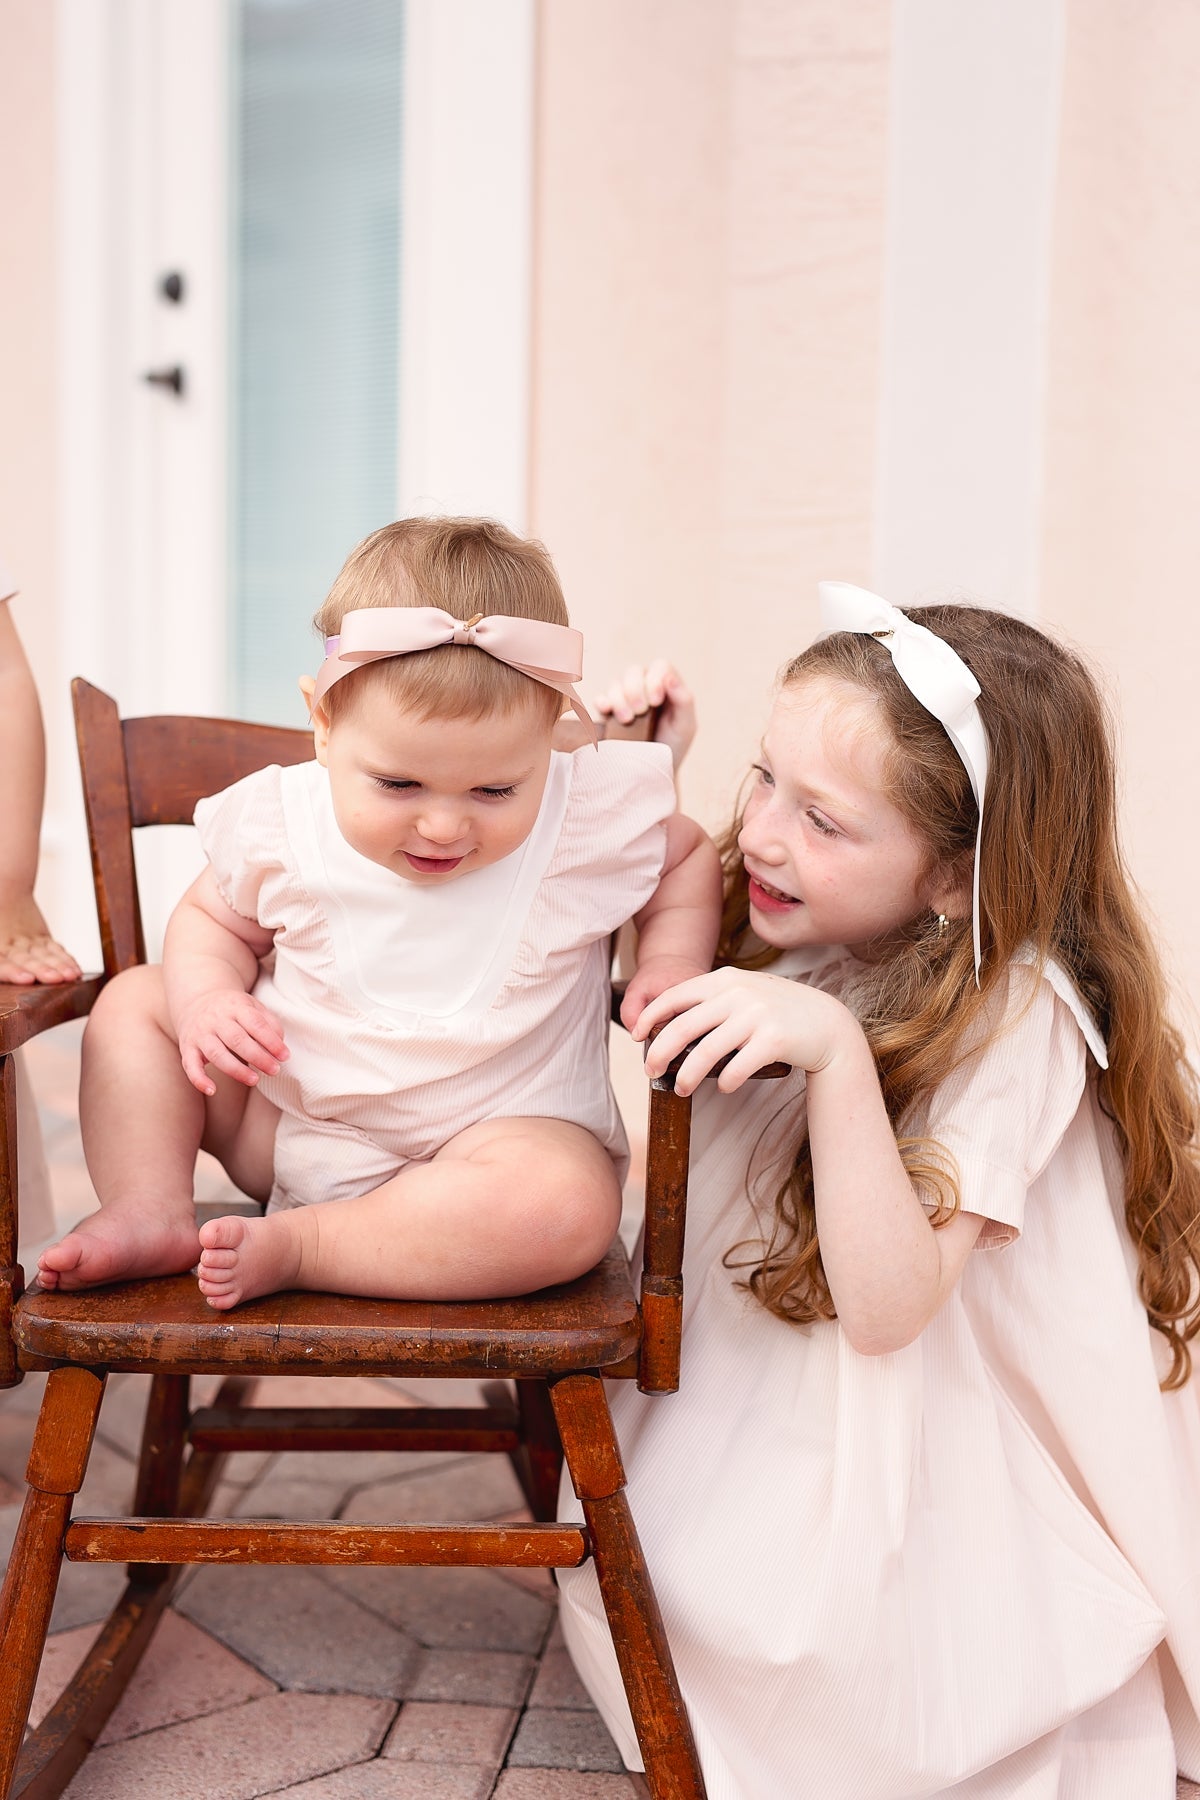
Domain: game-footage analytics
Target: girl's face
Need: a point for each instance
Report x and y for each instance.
(431, 799)
(830, 859)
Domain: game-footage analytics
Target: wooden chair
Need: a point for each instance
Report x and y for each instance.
(556, 1345)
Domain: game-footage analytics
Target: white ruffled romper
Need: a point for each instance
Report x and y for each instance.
(969, 1569)
(414, 1011)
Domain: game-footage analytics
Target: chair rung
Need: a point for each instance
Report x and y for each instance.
(219, 1429)
(529, 1546)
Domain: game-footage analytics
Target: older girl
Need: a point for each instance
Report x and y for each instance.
(924, 1519)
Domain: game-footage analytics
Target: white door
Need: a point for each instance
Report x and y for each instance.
(295, 261)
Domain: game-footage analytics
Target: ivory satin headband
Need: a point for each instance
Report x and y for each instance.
(551, 654)
(935, 675)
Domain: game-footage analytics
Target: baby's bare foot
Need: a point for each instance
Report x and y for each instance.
(120, 1243)
(243, 1258)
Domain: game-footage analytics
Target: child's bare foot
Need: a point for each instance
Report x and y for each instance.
(120, 1243)
(243, 1258)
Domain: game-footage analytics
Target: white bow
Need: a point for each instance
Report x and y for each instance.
(934, 674)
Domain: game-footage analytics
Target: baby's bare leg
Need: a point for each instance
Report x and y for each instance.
(505, 1207)
(142, 1124)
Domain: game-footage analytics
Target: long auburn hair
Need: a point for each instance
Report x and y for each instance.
(1052, 879)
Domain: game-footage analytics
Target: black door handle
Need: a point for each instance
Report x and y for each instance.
(166, 378)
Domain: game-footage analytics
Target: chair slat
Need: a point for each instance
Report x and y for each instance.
(325, 1541)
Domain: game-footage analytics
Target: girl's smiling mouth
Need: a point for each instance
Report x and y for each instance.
(769, 899)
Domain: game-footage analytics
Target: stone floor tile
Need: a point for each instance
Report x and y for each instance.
(474, 1677)
(328, 1390)
(86, 1592)
(434, 1732)
(394, 1781)
(561, 1784)
(184, 1675)
(451, 1609)
(558, 1684)
(273, 1496)
(10, 1493)
(550, 1738)
(364, 1467)
(434, 1392)
(472, 1487)
(239, 1753)
(300, 1631)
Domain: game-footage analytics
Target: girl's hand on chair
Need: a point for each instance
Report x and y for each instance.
(747, 1015)
(652, 978)
(235, 1033)
(649, 687)
(27, 951)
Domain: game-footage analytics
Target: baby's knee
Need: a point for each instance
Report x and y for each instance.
(134, 997)
(566, 1189)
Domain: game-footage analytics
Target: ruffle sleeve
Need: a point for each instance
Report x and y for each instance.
(1003, 1113)
(611, 848)
(243, 835)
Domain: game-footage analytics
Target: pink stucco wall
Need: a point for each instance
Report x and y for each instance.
(1121, 571)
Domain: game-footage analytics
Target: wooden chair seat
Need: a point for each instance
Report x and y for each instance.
(145, 1326)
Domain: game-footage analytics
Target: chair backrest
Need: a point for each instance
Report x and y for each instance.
(152, 771)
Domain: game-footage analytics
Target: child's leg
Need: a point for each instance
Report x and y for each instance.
(505, 1207)
(142, 1123)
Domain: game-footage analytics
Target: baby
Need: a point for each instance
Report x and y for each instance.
(388, 990)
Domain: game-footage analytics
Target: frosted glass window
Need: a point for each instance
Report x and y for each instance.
(316, 239)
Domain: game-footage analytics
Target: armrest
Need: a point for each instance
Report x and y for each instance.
(24, 1013)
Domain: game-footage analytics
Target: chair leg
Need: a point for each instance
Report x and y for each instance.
(56, 1468)
(664, 1734)
(541, 1453)
(160, 1462)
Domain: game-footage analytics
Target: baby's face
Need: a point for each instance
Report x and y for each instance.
(431, 799)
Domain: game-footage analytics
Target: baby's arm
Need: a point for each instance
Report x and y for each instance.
(27, 951)
(889, 1271)
(210, 962)
(677, 928)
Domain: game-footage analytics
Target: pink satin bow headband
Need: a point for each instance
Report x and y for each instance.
(935, 675)
(551, 654)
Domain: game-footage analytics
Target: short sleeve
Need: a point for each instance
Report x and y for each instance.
(243, 836)
(612, 845)
(1004, 1112)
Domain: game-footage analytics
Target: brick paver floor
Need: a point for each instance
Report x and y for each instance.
(318, 1684)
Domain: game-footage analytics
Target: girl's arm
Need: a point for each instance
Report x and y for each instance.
(210, 963)
(888, 1270)
(27, 951)
(677, 928)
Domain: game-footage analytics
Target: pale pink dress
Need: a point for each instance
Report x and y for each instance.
(967, 1569)
(414, 1011)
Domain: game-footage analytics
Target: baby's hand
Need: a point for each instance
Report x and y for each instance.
(27, 951)
(752, 1017)
(645, 688)
(235, 1033)
(652, 978)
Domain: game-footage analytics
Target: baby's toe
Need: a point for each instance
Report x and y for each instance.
(223, 1234)
(214, 1262)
